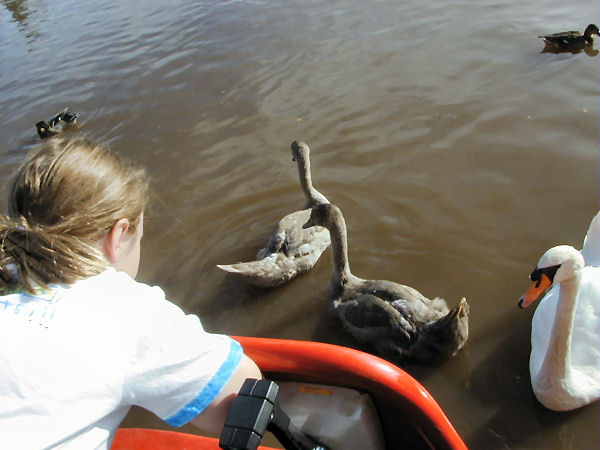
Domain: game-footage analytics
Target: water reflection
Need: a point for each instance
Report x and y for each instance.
(587, 49)
(18, 9)
(20, 13)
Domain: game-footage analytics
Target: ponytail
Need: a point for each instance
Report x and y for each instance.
(38, 256)
(65, 198)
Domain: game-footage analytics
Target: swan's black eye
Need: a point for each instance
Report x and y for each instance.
(536, 276)
(550, 272)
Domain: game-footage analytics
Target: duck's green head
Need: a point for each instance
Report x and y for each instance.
(42, 128)
(591, 29)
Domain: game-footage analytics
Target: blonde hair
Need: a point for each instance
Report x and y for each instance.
(63, 199)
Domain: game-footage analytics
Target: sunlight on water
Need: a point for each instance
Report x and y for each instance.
(457, 151)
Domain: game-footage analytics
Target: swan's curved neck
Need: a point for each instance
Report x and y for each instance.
(313, 197)
(339, 251)
(557, 358)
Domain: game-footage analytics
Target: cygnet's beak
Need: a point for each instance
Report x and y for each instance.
(308, 225)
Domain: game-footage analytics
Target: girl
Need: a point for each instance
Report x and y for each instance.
(81, 340)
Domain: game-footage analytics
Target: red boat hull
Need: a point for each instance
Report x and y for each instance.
(139, 438)
(410, 416)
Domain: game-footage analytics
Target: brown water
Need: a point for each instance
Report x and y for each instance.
(457, 152)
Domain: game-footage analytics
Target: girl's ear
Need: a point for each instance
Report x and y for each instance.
(113, 241)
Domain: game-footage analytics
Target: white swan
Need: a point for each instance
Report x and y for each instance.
(291, 250)
(591, 243)
(565, 331)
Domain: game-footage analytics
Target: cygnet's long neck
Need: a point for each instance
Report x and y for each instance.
(558, 355)
(313, 197)
(339, 251)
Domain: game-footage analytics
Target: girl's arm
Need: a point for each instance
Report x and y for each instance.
(212, 419)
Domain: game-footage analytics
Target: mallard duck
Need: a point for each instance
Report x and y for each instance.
(397, 320)
(571, 40)
(56, 124)
(291, 250)
(564, 364)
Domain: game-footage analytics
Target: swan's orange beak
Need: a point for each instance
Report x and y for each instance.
(536, 289)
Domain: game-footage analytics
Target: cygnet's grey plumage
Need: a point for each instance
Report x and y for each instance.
(291, 250)
(397, 320)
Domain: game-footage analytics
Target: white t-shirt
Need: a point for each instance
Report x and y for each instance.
(75, 358)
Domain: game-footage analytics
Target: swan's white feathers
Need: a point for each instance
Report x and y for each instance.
(591, 243)
(580, 384)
